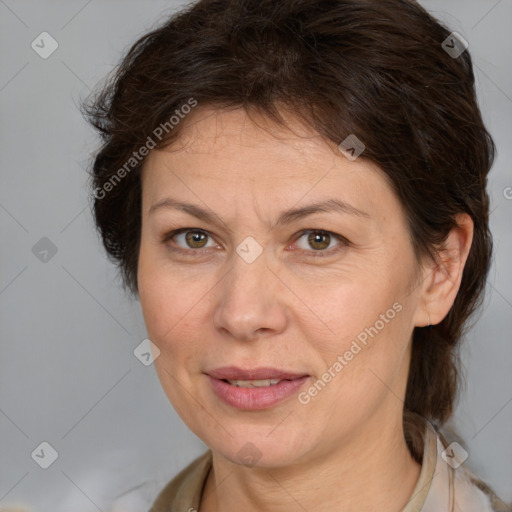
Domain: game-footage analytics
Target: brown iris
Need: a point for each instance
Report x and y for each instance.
(193, 237)
(314, 237)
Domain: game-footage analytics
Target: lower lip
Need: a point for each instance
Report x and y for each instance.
(256, 398)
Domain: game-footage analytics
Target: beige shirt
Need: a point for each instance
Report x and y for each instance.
(441, 487)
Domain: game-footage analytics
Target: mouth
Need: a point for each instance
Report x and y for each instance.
(255, 389)
(233, 373)
(263, 383)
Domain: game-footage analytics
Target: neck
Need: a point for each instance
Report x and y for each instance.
(374, 472)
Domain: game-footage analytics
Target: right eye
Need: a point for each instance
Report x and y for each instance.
(193, 240)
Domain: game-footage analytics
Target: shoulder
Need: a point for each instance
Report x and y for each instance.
(455, 485)
(183, 492)
(471, 493)
(446, 482)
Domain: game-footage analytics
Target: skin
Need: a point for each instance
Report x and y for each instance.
(345, 449)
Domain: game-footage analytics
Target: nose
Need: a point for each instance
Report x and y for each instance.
(250, 301)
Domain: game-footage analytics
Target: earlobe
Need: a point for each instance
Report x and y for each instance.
(445, 274)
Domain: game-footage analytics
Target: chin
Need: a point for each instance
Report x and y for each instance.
(259, 449)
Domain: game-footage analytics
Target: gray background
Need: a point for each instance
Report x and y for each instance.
(68, 375)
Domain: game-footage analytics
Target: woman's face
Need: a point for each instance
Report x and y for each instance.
(327, 299)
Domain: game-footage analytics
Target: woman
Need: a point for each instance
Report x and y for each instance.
(296, 192)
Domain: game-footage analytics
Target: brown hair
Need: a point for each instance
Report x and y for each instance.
(374, 69)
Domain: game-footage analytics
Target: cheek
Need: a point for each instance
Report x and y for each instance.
(367, 324)
(361, 367)
(345, 307)
(158, 297)
(171, 319)
(173, 306)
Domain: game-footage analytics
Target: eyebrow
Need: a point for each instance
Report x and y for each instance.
(286, 217)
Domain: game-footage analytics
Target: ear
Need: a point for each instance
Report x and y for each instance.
(441, 279)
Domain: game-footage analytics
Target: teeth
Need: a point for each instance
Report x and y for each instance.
(254, 383)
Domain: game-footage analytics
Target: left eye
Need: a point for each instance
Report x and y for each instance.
(320, 240)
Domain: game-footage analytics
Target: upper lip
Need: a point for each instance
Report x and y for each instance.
(234, 373)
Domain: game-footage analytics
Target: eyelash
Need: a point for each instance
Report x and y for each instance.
(315, 254)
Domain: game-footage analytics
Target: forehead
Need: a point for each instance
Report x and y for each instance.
(228, 152)
(228, 134)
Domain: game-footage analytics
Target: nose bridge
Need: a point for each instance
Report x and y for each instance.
(248, 301)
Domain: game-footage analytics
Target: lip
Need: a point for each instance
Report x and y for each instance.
(235, 373)
(254, 398)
